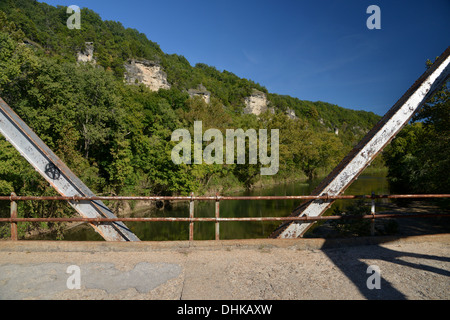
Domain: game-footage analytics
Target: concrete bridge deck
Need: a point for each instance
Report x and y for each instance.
(416, 267)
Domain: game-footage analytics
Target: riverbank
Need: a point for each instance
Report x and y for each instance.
(135, 208)
(224, 188)
(370, 180)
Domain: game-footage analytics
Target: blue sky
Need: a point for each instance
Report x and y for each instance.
(312, 50)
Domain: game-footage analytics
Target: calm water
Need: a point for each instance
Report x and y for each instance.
(366, 184)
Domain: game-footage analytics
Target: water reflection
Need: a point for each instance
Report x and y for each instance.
(366, 184)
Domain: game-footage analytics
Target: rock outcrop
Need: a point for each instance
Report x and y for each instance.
(291, 113)
(87, 55)
(256, 103)
(200, 92)
(147, 72)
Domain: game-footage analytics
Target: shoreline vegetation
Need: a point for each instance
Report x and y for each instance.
(148, 208)
(327, 229)
(261, 184)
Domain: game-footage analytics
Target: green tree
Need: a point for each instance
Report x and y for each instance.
(318, 151)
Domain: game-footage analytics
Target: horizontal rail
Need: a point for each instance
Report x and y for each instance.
(248, 219)
(217, 197)
(13, 219)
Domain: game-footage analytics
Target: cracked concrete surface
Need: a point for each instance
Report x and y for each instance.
(411, 268)
(47, 280)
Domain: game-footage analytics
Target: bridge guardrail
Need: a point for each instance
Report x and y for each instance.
(13, 219)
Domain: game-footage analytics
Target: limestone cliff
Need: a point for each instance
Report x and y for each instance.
(256, 103)
(87, 55)
(291, 113)
(147, 72)
(201, 92)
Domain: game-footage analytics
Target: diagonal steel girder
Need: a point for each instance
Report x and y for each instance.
(369, 147)
(60, 177)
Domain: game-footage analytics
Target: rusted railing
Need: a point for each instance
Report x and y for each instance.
(13, 220)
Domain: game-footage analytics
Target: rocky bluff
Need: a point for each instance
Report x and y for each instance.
(147, 72)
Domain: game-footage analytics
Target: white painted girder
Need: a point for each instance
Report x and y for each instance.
(372, 144)
(60, 177)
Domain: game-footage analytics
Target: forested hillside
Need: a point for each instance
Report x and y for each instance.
(116, 134)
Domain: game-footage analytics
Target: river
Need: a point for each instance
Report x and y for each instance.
(154, 231)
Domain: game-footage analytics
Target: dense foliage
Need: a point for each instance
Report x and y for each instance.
(117, 137)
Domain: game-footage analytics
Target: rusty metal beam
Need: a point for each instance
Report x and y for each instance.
(218, 198)
(191, 216)
(60, 177)
(13, 210)
(217, 214)
(369, 147)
